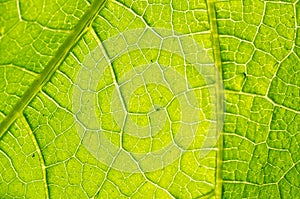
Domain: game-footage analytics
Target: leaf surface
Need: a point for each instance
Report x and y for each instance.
(124, 99)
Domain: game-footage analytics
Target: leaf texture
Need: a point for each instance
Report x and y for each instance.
(149, 99)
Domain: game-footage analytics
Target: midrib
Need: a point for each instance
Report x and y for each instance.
(220, 92)
(52, 66)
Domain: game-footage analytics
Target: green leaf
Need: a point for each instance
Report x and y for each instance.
(260, 62)
(149, 99)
